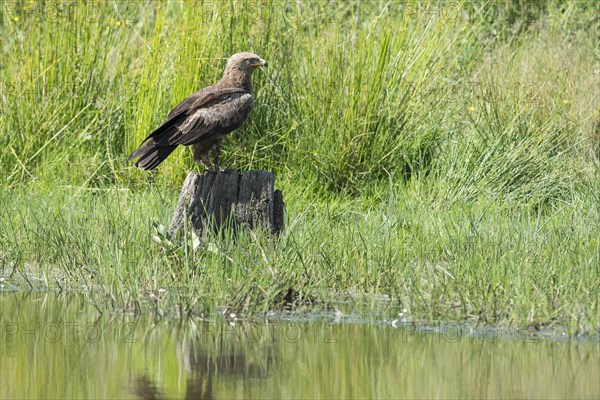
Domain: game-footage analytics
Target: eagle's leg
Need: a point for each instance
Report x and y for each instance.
(205, 160)
(216, 150)
(201, 156)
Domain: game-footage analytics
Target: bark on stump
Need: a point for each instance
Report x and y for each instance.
(229, 199)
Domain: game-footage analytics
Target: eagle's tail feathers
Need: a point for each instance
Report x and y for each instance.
(141, 150)
(151, 155)
(156, 147)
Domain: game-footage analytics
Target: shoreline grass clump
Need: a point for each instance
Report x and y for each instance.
(444, 155)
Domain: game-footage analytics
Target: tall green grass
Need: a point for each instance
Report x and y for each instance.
(467, 261)
(355, 92)
(445, 154)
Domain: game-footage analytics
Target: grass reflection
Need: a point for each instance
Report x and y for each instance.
(55, 346)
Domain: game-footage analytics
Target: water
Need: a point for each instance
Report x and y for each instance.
(56, 346)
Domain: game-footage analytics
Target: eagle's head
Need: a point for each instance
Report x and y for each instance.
(246, 62)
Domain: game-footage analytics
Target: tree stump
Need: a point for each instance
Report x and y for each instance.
(229, 199)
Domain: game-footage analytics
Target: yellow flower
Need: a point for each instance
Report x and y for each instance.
(118, 23)
(16, 19)
(565, 101)
(470, 108)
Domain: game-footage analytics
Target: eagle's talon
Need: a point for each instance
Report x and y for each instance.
(207, 165)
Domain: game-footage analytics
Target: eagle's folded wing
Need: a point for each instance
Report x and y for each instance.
(206, 114)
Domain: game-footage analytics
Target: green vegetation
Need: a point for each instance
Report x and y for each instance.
(446, 156)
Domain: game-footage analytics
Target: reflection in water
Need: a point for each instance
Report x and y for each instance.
(207, 357)
(55, 346)
(144, 388)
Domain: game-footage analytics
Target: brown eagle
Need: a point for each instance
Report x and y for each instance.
(205, 118)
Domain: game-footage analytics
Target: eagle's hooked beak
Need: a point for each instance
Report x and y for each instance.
(261, 63)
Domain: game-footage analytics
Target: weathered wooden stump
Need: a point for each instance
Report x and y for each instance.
(229, 199)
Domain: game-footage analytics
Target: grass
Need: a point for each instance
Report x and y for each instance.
(443, 155)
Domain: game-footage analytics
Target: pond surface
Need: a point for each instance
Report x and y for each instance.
(57, 346)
